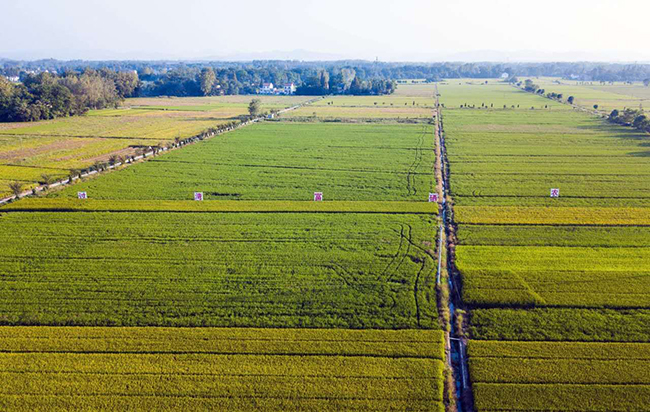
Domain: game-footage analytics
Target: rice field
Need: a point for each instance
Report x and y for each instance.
(224, 269)
(257, 298)
(61, 145)
(492, 95)
(520, 376)
(558, 288)
(285, 161)
(617, 95)
(71, 368)
(408, 104)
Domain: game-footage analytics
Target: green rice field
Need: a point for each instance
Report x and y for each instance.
(558, 288)
(285, 161)
(257, 298)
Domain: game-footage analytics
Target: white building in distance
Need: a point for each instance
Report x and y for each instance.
(269, 88)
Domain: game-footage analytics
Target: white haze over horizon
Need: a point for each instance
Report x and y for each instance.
(405, 30)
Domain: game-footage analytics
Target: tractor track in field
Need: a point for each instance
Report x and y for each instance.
(419, 154)
(397, 254)
(405, 238)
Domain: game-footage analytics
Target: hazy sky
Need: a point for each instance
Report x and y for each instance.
(391, 30)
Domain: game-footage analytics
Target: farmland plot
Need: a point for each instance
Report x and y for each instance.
(127, 258)
(536, 268)
(77, 142)
(401, 107)
(590, 162)
(494, 95)
(520, 376)
(205, 269)
(141, 257)
(213, 103)
(285, 161)
(205, 368)
(607, 96)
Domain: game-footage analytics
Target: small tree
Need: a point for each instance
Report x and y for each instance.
(529, 86)
(207, 78)
(45, 179)
(254, 107)
(16, 188)
(639, 121)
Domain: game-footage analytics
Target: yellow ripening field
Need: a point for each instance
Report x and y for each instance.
(63, 144)
(92, 368)
(547, 215)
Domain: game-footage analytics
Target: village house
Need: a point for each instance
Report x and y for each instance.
(267, 88)
(289, 89)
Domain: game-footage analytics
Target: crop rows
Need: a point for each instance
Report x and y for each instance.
(77, 142)
(223, 206)
(560, 376)
(573, 216)
(202, 269)
(542, 235)
(285, 161)
(243, 369)
(551, 283)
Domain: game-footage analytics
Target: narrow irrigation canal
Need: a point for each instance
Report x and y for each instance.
(456, 343)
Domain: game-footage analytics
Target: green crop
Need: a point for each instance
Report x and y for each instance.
(561, 324)
(223, 206)
(285, 161)
(226, 269)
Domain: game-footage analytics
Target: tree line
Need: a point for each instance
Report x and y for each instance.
(47, 96)
(345, 81)
(73, 87)
(209, 81)
(279, 72)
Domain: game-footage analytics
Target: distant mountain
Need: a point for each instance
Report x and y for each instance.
(473, 56)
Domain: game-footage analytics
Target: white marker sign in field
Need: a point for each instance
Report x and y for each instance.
(198, 196)
(318, 196)
(433, 197)
(555, 192)
(82, 195)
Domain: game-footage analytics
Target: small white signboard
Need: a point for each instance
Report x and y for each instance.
(318, 196)
(555, 192)
(82, 195)
(198, 196)
(433, 197)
